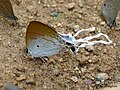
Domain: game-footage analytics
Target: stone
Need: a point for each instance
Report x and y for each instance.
(70, 5)
(90, 61)
(98, 82)
(10, 86)
(76, 28)
(76, 69)
(74, 78)
(21, 77)
(88, 82)
(101, 76)
(116, 76)
(102, 23)
(31, 81)
(54, 14)
(90, 48)
(56, 71)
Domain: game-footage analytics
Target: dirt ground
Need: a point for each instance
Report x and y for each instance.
(65, 71)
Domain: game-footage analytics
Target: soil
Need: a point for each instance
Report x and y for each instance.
(67, 70)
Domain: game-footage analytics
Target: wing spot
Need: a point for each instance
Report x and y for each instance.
(37, 45)
(105, 4)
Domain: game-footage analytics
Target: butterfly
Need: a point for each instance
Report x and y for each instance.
(43, 41)
(110, 10)
(6, 10)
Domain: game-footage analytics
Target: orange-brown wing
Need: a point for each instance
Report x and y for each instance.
(36, 29)
(42, 40)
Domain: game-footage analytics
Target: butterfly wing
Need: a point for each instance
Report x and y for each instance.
(42, 47)
(110, 9)
(42, 40)
(6, 10)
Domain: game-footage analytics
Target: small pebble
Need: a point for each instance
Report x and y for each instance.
(56, 71)
(118, 55)
(70, 6)
(61, 1)
(98, 82)
(54, 14)
(74, 78)
(31, 81)
(61, 60)
(101, 76)
(21, 77)
(76, 69)
(89, 76)
(102, 23)
(59, 24)
(90, 61)
(76, 28)
(81, 3)
(10, 86)
(90, 48)
(105, 50)
(88, 82)
(39, 2)
(117, 76)
(83, 70)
